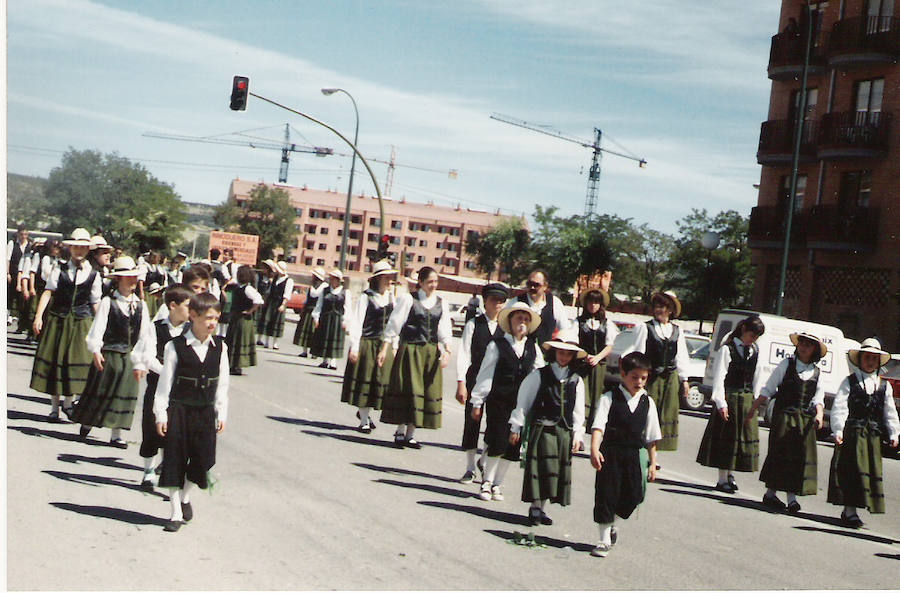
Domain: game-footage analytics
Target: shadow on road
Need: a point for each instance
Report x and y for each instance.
(115, 462)
(89, 480)
(888, 556)
(547, 541)
(854, 534)
(351, 438)
(17, 415)
(133, 517)
(479, 511)
(428, 487)
(737, 502)
(666, 482)
(30, 398)
(405, 472)
(315, 423)
(53, 434)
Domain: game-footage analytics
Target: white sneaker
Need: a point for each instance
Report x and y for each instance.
(497, 492)
(485, 493)
(467, 478)
(601, 550)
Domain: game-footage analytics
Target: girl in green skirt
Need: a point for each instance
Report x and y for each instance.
(421, 320)
(863, 413)
(30, 265)
(596, 334)
(70, 299)
(328, 316)
(306, 327)
(365, 381)
(279, 293)
(48, 258)
(118, 338)
(241, 335)
(729, 443)
(798, 412)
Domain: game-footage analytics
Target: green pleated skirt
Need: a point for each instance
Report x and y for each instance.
(665, 392)
(593, 390)
(731, 444)
(548, 465)
(328, 341)
(414, 394)
(272, 321)
(364, 382)
(856, 477)
(241, 340)
(306, 329)
(62, 360)
(110, 395)
(791, 463)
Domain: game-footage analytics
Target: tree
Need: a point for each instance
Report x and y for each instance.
(268, 214)
(115, 197)
(502, 247)
(641, 255)
(26, 202)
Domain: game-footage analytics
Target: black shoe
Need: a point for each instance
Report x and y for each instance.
(726, 488)
(173, 526)
(68, 411)
(323, 365)
(53, 417)
(365, 428)
(852, 521)
(534, 516)
(545, 519)
(732, 483)
(147, 486)
(83, 432)
(118, 443)
(613, 535)
(260, 343)
(793, 507)
(237, 372)
(772, 502)
(187, 512)
(303, 355)
(412, 444)
(399, 440)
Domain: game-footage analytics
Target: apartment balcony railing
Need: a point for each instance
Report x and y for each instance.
(787, 53)
(854, 134)
(767, 224)
(841, 229)
(863, 41)
(776, 142)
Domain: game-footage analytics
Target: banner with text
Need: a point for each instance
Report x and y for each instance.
(246, 247)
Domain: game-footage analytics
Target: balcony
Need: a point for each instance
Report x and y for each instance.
(854, 134)
(776, 142)
(832, 228)
(787, 53)
(864, 41)
(767, 228)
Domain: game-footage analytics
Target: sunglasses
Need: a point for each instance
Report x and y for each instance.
(533, 284)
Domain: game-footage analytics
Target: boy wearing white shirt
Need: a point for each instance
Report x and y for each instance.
(191, 405)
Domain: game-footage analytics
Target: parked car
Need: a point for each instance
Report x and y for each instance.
(457, 318)
(298, 299)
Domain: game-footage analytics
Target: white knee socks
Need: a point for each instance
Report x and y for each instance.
(410, 431)
(115, 433)
(186, 491)
(723, 476)
(605, 533)
(470, 460)
(500, 472)
(490, 469)
(175, 500)
(364, 416)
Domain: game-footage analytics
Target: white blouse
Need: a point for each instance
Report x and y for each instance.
(528, 394)
(664, 331)
(127, 305)
(358, 316)
(401, 313)
(870, 382)
(720, 369)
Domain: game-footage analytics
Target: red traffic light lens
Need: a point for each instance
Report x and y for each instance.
(241, 84)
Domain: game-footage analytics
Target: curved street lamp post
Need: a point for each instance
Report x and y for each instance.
(331, 91)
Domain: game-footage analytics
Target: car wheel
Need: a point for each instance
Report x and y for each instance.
(694, 400)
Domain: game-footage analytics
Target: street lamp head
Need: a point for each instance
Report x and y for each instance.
(329, 91)
(710, 240)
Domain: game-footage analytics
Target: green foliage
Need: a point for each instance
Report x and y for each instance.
(641, 255)
(501, 247)
(115, 197)
(268, 214)
(26, 203)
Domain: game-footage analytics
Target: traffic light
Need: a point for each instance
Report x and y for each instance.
(383, 246)
(240, 88)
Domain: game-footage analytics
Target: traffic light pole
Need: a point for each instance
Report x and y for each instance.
(350, 144)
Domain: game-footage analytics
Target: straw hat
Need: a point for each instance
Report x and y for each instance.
(124, 266)
(381, 268)
(271, 264)
(281, 267)
(822, 347)
(39, 241)
(155, 288)
(561, 345)
(604, 296)
(319, 273)
(98, 242)
(80, 237)
(337, 274)
(673, 300)
(503, 319)
(868, 345)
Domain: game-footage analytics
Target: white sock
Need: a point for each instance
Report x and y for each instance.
(792, 497)
(410, 431)
(186, 491)
(470, 460)
(543, 502)
(274, 343)
(267, 341)
(67, 400)
(401, 430)
(148, 464)
(306, 351)
(723, 476)
(849, 511)
(364, 416)
(115, 433)
(490, 469)
(500, 472)
(605, 533)
(175, 500)
(54, 403)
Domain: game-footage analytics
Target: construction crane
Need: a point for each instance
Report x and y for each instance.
(286, 148)
(393, 164)
(590, 201)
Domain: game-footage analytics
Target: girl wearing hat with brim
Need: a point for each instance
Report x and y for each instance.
(364, 381)
(272, 317)
(29, 266)
(790, 464)
(100, 258)
(118, 338)
(730, 444)
(862, 415)
(265, 276)
(154, 273)
(62, 360)
(596, 334)
(421, 321)
(46, 258)
(306, 327)
(550, 407)
(241, 335)
(328, 341)
(507, 361)
(663, 342)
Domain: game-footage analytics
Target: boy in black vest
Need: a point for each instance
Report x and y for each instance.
(477, 334)
(176, 300)
(625, 423)
(191, 405)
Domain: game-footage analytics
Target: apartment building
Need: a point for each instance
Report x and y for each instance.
(844, 257)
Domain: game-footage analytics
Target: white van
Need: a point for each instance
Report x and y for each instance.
(775, 345)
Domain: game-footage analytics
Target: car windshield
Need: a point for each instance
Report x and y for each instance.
(891, 370)
(702, 352)
(695, 343)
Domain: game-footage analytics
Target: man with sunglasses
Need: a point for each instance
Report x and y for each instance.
(537, 297)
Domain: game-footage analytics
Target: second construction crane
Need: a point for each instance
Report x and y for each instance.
(590, 201)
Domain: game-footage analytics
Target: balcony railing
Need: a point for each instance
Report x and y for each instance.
(766, 229)
(788, 51)
(842, 229)
(776, 141)
(860, 41)
(854, 134)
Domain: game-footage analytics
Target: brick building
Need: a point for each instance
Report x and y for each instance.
(424, 234)
(844, 262)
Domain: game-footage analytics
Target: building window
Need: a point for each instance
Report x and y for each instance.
(437, 260)
(470, 265)
(397, 225)
(869, 94)
(337, 263)
(292, 259)
(323, 230)
(372, 237)
(310, 244)
(413, 226)
(375, 221)
(298, 211)
(856, 190)
(356, 219)
(879, 13)
(423, 243)
(354, 250)
(320, 262)
(786, 192)
(314, 213)
(322, 246)
(420, 258)
(307, 261)
(409, 256)
(311, 229)
(395, 240)
(354, 234)
(472, 235)
(410, 241)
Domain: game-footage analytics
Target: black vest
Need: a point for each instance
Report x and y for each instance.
(276, 292)
(591, 340)
(625, 428)
(173, 276)
(122, 331)
(866, 409)
(556, 399)
(739, 376)
(510, 370)
(16, 256)
(421, 326)
(155, 275)
(71, 298)
(240, 302)
(481, 337)
(311, 301)
(217, 273)
(793, 392)
(376, 317)
(544, 331)
(195, 381)
(662, 352)
(332, 304)
(161, 326)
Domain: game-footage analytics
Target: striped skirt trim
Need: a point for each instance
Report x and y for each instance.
(414, 393)
(548, 465)
(241, 340)
(62, 361)
(856, 472)
(665, 392)
(731, 444)
(364, 382)
(791, 464)
(110, 396)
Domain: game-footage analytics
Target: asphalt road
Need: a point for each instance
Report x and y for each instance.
(304, 501)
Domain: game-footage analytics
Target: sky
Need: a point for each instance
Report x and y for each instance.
(681, 84)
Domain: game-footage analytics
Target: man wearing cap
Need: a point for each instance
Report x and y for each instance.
(862, 415)
(545, 304)
(477, 334)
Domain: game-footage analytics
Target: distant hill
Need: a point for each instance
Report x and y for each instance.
(24, 198)
(200, 214)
